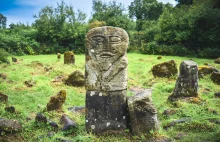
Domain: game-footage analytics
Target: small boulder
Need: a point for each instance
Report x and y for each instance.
(142, 113)
(3, 76)
(206, 70)
(217, 94)
(67, 123)
(159, 57)
(69, 57)
(9, 125)
(58, 55)
(57, 101)
(53, 124)
(29, 83)
(169, 112)
(217, 61)
(165, 69)
(215, 77)
(75, 79)
(40, 118)
(10, 109)
(48, 68)
(14, 59)
(3, 98)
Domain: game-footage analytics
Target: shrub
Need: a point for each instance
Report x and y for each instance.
(3, 56)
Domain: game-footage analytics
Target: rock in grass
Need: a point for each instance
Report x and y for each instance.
(57, 101)
(165, 69)
(187, 82)
(40, 118)
(169, 112)
(3, 98)
(75, 79)
(206, 70)
(173, 123)
(215, 77)
(217, 94)
(143, 114)
(9, 125)
(67, 123)
(30, 83)
(3, 76)
(69, 57)
(58, 55)
(10, 109)
(217, 61)
(14, 59)
(53, 124)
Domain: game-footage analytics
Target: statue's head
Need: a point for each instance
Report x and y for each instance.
(107, 42)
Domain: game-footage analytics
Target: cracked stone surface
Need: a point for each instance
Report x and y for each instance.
(106, 79)
(187, 82)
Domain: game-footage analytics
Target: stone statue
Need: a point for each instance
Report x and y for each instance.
(106, 79)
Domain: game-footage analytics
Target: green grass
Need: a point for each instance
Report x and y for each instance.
(29, 101)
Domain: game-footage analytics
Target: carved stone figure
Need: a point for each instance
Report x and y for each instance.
(106, 79)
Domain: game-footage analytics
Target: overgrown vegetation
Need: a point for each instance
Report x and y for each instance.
(28, 101)
(191, 28)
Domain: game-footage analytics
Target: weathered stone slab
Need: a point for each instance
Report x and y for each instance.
(142, 113)
(187, 82)
(165, 69)
(106, 111)
(106, 80)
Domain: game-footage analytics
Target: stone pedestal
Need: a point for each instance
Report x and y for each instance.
(187, 82)
(106, 80)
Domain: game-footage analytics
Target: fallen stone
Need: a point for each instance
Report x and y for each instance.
(187, 82)
(206, 70)
(217, 94)
(217, 61)
(67, 123)
(14, 59)
(169, 112)
(10, 109)
(3, 76)
(165, 69)
(60, 78)
(40, 118)
(9, 125)
(173, 123)
(77, 109)
(75, 79)
(215, 77)
(30, 83)
(69, 57)
(57, 101)
(142, 113)
(3, 98)
(53, 124)
(159, 57)
(48, 68)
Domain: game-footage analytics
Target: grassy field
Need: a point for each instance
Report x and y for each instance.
(30, 100)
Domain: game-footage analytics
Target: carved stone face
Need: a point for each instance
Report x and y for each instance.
(106, 42)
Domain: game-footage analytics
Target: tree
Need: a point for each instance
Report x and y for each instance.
(112, 14)
(143, 10)
(3, 21)
(184, 2)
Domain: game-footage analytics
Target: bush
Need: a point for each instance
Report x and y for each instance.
(210, 53)
(3, 56)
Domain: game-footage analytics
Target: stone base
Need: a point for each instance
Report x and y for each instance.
(106, 112)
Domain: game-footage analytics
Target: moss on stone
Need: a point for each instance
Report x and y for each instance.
(57, 101)
(69, 57)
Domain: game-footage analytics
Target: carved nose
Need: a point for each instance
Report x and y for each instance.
(106, 46)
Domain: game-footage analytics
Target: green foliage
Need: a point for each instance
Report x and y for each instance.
(4, 56)
(3, 21)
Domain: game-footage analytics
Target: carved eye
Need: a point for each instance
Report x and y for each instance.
(98, 39)
(115, 39)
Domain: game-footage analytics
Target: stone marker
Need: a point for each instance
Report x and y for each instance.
(57, 101)
(142, 113)
(187, 82)
(106, 80)
(58, 55)
(69, 57)
(165, 69)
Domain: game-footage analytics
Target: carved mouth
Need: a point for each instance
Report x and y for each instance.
(106, 54)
